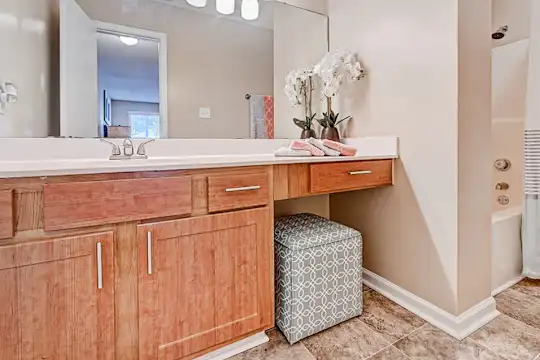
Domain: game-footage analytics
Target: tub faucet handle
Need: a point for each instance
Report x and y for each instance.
(502, 186)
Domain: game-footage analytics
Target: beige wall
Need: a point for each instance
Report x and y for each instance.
(474, 167)
(318, 205)
(27, 31)
(319, 6)
(411, 230)
(211, 63)
(510, 65)
(300, 41)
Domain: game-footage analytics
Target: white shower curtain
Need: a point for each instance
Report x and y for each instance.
(531, 214)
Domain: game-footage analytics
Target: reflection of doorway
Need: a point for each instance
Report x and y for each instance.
(93, 92)
(132, 72)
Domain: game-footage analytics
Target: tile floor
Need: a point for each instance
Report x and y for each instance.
(386, 331)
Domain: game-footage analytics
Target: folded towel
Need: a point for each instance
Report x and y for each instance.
(302, 145)
(286, 152)
(319, 145)
(342, 148)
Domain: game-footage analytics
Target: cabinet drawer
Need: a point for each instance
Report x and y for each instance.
(237, 191)
(79, 204)
(345, 176)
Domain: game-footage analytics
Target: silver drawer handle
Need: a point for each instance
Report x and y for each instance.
(246, 188)
(364, 172)
(99, 267)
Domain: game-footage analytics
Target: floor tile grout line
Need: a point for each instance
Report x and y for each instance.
(412, 332)
(309, 352)
(383, 349)
(395, 342)
(406, 356)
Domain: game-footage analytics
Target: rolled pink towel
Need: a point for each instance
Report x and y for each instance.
(302, 145)
(342, 148)
(325, 149)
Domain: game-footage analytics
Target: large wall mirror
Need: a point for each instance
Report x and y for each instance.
(153, 68)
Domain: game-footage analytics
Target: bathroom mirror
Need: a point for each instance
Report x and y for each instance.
(154, 68)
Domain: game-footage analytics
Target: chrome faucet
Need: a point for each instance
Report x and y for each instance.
(128, 147)
(128, 150)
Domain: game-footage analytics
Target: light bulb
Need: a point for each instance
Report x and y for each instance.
(129, 41)
(225, 7)
(197, 3)
(250, 9)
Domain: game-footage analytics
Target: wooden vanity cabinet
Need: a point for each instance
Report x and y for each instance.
(192, 268)
(204, 282)
(57, 299)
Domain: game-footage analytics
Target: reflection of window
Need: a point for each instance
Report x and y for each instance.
(144, 125)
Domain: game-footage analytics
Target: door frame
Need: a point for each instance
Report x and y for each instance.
(161, 38)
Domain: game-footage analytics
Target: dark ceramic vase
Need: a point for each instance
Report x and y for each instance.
(330, 133)
(306, 134)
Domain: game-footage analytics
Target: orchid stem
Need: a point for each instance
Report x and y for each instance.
(329, 104)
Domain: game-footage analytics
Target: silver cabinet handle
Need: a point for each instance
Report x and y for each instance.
(246, 188)
(99, 267)
(364, 172)
(149, 251)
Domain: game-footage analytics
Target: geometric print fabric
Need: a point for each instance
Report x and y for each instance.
(318, 269)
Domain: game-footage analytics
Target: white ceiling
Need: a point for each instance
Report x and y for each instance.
(515, 14)
(129, 73)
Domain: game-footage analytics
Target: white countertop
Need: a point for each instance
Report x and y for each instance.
(242, 153)
(93, 166)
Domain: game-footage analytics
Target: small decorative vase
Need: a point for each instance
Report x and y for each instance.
(330, 133)
(306, 134)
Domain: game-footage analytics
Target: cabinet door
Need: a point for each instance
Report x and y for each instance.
(56, 300)
(203, 282)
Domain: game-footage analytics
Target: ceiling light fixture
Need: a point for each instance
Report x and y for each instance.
(129, 41)
(250, 9)
(197, 3)
(225, 7)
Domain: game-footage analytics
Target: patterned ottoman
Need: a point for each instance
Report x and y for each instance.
(318, 274)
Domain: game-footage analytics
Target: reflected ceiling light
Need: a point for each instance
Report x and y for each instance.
(250, 9)
(129, 41)
(225, 7)
(197, 3)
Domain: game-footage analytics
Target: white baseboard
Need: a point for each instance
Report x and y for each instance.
(508, 285)
(236, 348)
(457, 326)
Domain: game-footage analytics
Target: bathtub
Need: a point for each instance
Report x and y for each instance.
(506, 259)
